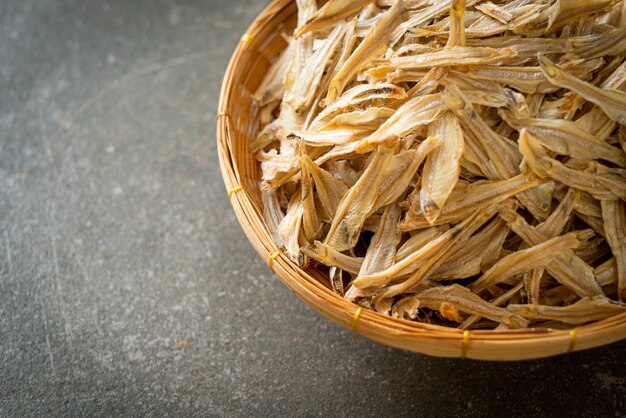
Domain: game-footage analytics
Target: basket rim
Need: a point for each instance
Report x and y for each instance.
(348, 314)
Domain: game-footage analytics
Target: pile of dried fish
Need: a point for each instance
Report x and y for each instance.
(454, 162)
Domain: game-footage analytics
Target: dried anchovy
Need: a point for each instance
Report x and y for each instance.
(462, 161)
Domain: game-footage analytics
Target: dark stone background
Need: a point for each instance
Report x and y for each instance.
(127, 287)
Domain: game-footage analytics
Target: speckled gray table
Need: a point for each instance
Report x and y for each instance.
(127, 287)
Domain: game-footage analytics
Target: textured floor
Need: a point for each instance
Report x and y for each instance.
(126, 285)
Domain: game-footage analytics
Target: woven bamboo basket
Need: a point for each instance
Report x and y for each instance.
(237, 125)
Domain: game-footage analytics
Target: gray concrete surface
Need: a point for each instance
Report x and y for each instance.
(126, 285)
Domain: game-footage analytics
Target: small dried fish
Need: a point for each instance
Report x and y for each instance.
(480, 92)
(614, 217)
(370, 117)
(465, 301)
(357, 203)
(468, 199)
(498, 155)
(343, 171)
(268, 134)
(597, 181)
(289, 228)
(382, 249)
(272, 213)
(272, 87)
(525, 79)
(481, 250)
(400, 171)
(457, 234)
(358, 98)
(610, 42)
(612, 102)
(534, 257)
(609, 184)
(606, 273)
(593, 250)
(503, 298)
(275, 167)
(530, 47)
(311, 223)
(495, 12)
(521, 12)
(407, 265)
(335, 276)
(339, 136)
(457, 24)
(303, 92)
(581, 312)
(566, 138)
(450, 56)
(584, 203)
(567, 268)
(330, 257)
(442, 167)
(504, 158)
(554, 225)
(373, 45)
(567, 11)
(333, 11)
(414, 113)
(405, 308)
(417, 241)
(434, 10)
(330, 190)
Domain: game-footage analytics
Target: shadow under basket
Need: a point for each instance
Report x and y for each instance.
(238, 125)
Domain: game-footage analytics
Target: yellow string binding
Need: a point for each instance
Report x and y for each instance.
(355, 320)
(572, 340)
(271, 260)
(234, 190)
(248, 38)
(465, 343)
